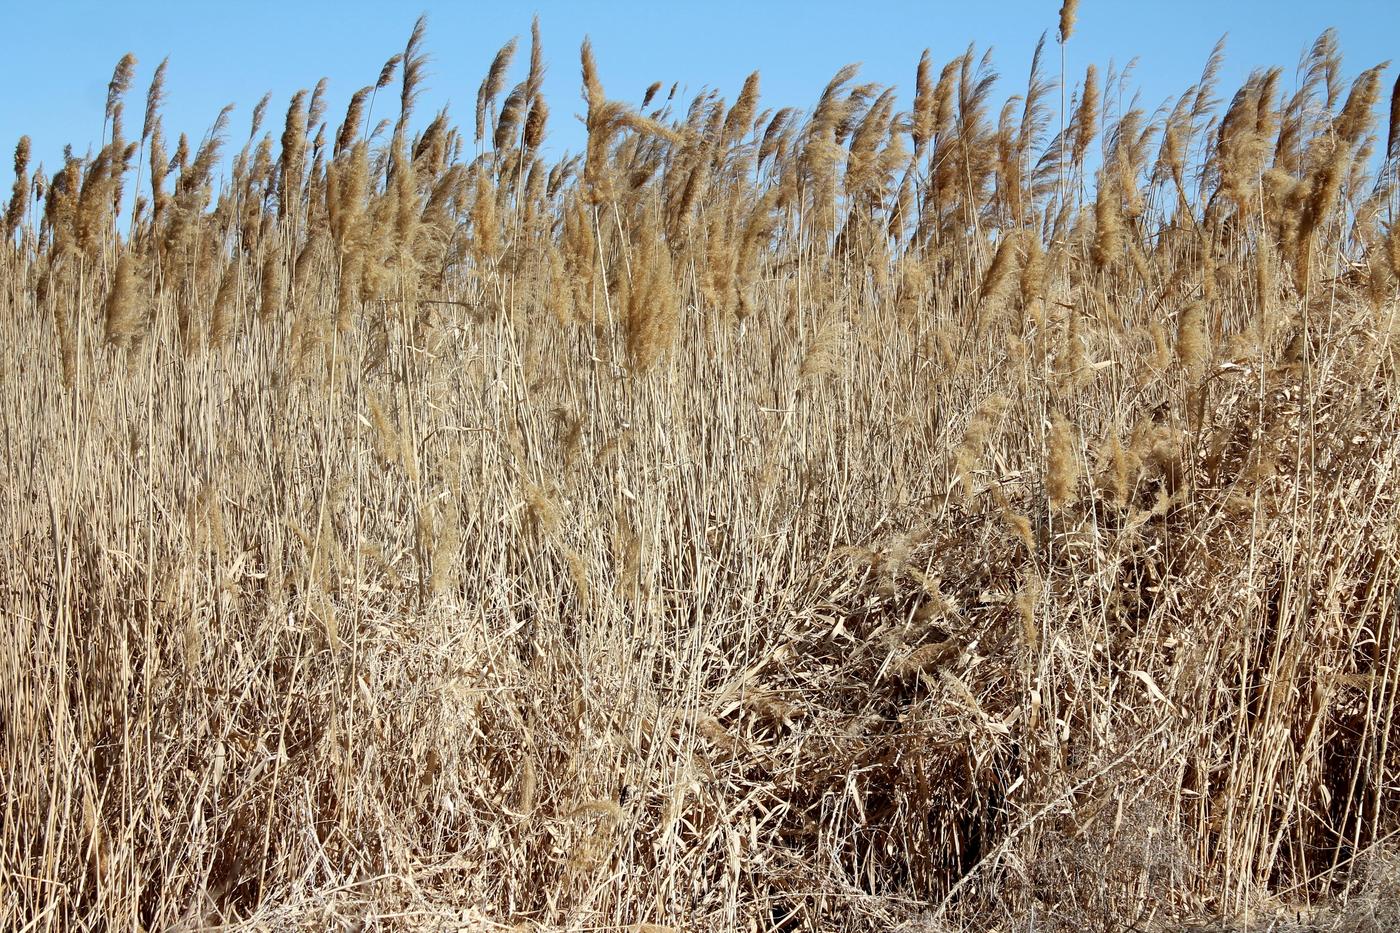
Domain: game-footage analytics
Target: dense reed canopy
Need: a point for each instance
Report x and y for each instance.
(966, 509)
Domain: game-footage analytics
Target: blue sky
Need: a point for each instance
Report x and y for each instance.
(60, 55)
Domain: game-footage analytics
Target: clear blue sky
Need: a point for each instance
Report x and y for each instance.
(59, 56)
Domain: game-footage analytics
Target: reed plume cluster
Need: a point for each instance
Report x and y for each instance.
(955, 513)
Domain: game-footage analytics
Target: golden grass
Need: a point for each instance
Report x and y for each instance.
(756, 522)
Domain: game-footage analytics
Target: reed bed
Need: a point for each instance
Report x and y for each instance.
(947, 511)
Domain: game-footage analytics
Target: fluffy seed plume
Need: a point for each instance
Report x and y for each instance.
(921, 128)
(19, 194)
(116, 90)
(155, 96)
(1191, 351)
(1068, 10)
(1061, 462)
(491, 87)
(126, 302)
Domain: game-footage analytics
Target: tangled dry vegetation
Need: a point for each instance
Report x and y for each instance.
(971, 516)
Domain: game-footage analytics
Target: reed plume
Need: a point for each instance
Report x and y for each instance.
(19, 192)
(126, 302)
(1068, 12)
(491, 87)
(122, 77)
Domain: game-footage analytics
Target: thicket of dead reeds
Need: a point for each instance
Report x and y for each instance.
(947, 510)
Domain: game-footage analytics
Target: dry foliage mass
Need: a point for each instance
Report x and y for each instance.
(974, 515)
